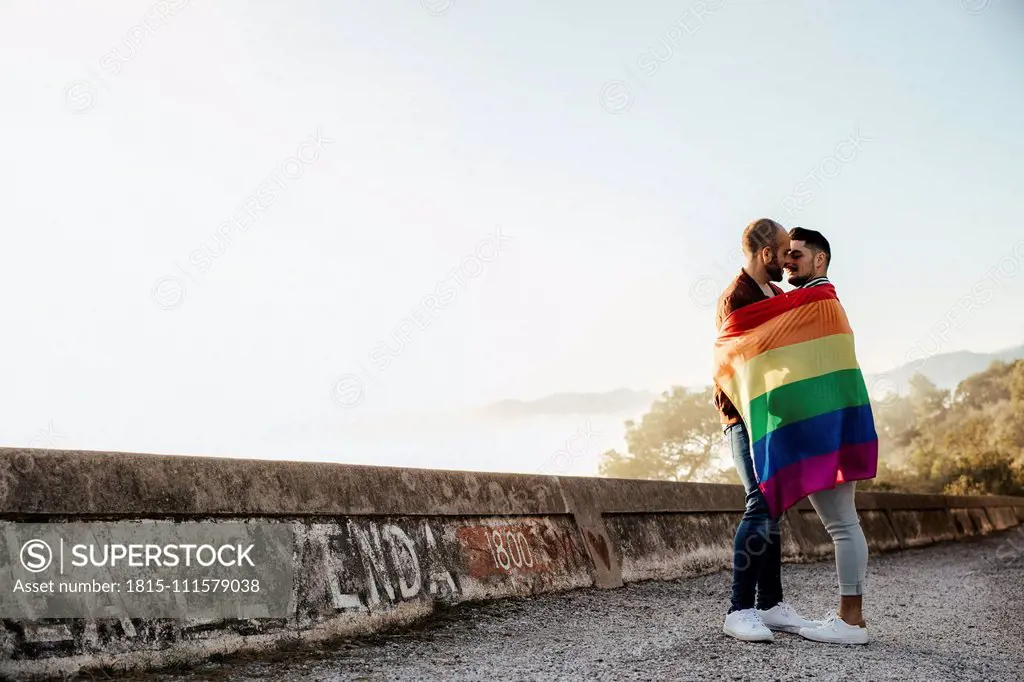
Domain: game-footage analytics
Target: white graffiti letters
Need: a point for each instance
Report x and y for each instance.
(371, 565)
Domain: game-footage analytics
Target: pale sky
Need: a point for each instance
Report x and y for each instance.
(621, 182)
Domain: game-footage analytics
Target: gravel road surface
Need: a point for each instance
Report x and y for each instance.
(950, 612)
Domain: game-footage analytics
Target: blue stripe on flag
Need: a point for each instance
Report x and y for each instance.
(812, 437)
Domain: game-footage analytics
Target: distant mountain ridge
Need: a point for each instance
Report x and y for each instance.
(619, 401)
(945, 370)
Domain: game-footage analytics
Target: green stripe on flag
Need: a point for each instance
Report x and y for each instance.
(805, 399)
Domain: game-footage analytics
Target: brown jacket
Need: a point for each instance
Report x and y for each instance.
(742, 291)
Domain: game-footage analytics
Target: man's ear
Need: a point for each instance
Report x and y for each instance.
(820, 260)
(766, 255)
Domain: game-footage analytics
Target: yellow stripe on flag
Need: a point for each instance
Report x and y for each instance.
(787, 365)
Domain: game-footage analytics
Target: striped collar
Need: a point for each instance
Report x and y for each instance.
(816, 282)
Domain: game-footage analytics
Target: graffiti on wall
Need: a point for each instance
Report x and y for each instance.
(366, 563)
(536, 549)
(352, 566)
(369, 565)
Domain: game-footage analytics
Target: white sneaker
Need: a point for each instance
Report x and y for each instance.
(784, 618)
(747, 626)
(836, 631)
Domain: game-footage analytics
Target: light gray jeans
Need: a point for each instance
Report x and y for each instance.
(837, 511)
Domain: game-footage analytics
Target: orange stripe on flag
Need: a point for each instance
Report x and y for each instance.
(806, 323)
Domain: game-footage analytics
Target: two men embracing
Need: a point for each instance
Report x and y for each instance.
(796, 413)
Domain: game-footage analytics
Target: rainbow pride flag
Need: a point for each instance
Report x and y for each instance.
(789, 367)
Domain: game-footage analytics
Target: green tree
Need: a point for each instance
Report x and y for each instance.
(891, 478)
(971, 443)
(1015, 383)
(928, 401)
(677, 440)
(967, 442)
(1006, 432)
(985, 473)
(895, 423)
(984, 388)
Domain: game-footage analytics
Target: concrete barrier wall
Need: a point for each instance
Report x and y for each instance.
(376, 547)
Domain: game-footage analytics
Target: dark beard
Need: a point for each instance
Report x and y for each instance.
(774, 272)
(799, 280)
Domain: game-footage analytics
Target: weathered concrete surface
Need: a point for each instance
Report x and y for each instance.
(352, 576)
(880, 500)
(943, 613)
(584, 502)
(368, 565)
(964, 524)
(378, 547)
(968, 501)
(1002, 517)
(807, 531)
(620, 496)
(981, 520)
(117, 484)
(791, 547)
(920, 528)
(665, 546)
(810, 539)
(878, 530)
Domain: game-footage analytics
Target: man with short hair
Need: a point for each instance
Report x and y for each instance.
(757, 547)
(808, 258)
(807, 263)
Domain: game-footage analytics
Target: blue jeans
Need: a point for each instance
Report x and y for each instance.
(757, 548)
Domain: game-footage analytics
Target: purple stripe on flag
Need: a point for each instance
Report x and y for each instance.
(789, 485)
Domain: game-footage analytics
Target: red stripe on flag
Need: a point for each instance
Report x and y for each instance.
(748, 317)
